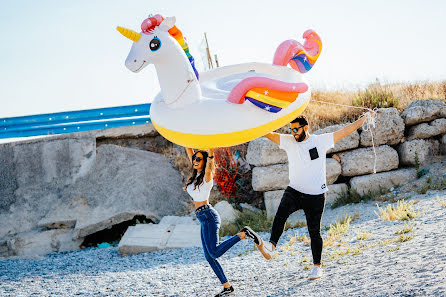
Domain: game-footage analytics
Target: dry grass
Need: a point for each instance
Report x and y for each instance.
(407, 228)
(404, 238)
(362, 234)
(441, 202)
(401, 211)
(321, 115)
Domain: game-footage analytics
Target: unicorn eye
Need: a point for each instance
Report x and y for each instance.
(155, 44)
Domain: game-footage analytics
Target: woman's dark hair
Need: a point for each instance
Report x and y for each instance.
(198, 179)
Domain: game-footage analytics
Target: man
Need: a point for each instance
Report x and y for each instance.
(307, 188)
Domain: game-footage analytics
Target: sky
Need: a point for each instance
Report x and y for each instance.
(67, 55)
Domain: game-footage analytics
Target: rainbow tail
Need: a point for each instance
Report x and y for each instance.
(300, 57)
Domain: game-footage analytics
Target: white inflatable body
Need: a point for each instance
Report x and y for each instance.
(224, 123)
(226, 106)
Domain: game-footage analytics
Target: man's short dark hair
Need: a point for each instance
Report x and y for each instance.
(301, 120)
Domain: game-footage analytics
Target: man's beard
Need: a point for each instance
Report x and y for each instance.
(301, 137)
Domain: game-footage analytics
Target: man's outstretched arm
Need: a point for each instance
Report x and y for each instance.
(347, 130)
(274, 137)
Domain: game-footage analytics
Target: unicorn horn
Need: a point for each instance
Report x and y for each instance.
(130, 34)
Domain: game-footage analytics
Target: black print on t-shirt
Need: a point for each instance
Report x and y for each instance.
(313, 153)
(323, 186)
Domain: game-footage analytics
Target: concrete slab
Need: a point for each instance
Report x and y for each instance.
(151, 237)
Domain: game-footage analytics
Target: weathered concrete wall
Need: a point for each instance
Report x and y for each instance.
(68, 184)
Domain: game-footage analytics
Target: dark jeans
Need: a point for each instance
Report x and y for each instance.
(313, 206)
(210, 223)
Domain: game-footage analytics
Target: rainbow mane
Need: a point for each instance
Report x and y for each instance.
(149, 24)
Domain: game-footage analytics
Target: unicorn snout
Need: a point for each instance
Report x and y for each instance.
(135, 65)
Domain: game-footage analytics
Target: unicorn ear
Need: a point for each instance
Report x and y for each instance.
(168, 23)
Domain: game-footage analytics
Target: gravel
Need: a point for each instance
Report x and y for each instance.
(416, 267)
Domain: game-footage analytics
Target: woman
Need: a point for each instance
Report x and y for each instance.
(199, 187)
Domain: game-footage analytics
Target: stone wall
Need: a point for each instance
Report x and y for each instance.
(419, 131)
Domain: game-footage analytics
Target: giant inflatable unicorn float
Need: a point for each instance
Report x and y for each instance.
(226, 106)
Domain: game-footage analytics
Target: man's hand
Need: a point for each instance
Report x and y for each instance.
(274, 137)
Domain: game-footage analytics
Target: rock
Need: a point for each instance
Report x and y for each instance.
(122, 183)
(333, 169)
(128, 131)
(272, 201)
(423, 111)
(175, 220)
(443, 145)
(8, 181)
(263, 152)
(249, 207)
(349, 142)
(427, 130)
(374, 183)
(227, 213)
(41, 243)
(150, 237)
(334, 191)
(273, 177)
(361, 161)
(421, 148)
(34, 175)
(55, 161)
(272, 198)
(389, 129)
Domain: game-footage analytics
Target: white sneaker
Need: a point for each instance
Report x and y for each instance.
(266, 249)
(315, 273)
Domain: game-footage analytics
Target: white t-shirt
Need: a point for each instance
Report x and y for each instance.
(202, 192)
(307, 162)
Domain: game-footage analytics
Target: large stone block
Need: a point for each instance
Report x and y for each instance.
(123, 183)
(176, 220)
(58, 160)
(421, 148)
(227, 213)
(41, 243)
(389, 129)
(382, 181)
(427, 130)
(8, 182)
(334, 191)
(443, 145)
(423, 111)
(349, 142)
(272, 201)
(270, 178)
(263, 152)
(361, 161)
(150, 237)
(333, 169)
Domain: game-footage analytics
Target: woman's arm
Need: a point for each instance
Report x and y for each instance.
(190, 153)
(210, 166)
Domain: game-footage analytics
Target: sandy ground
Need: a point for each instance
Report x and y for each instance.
(378, 266)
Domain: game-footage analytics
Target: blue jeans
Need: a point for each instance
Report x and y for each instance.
(210, 223)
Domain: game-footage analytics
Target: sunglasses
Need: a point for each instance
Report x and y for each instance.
(295, 129)
(198, 159)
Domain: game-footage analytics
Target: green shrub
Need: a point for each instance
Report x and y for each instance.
(375, 97)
